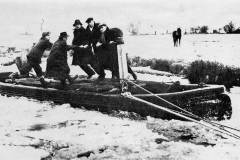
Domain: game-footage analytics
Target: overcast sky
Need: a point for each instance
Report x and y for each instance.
(161, 14)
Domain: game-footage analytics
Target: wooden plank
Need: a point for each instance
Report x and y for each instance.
(122, 63)
(109, 102)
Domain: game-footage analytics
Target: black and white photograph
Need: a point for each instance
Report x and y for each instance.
(119, 80)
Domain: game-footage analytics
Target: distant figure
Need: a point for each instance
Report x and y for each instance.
(11, 49)
(177, 35)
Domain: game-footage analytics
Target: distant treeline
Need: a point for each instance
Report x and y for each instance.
(231, 29)
(197, 72)
(228, 28)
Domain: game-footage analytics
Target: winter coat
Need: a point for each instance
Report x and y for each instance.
(116, 35)
(107, 55)
(81, 55)
(37, 51)
(57, 66)
(93, 35)
(80, 37)
(112, 34)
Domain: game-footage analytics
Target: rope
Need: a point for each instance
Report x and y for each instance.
(187, 113)
(191, 114)
(124, 86)
(128, 95)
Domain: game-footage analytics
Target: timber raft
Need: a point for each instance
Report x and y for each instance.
(208, 101)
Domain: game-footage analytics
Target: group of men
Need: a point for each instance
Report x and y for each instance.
(93, 50)
(88, 40)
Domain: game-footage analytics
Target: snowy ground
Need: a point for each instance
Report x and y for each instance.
(33, 130)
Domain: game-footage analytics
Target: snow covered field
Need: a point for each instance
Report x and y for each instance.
(30, 129)
(215, 47)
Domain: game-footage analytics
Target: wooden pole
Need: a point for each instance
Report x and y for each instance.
(122, 62)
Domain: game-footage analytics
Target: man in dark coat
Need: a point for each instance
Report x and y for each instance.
(36, 53)
(103, 53)
(57, 66)
(82, 56)
(106, 51)
(93, 32)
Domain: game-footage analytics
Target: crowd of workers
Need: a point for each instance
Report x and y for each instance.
(94, 49)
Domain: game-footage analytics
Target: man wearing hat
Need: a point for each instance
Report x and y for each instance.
(82, 55)
(35, 55)
(106, 51)
(93, 31)
(57, 66)
(79, 33)
(93, 34)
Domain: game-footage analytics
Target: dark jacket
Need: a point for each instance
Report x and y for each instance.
(116, 35)
(93, 35)
(37, 51)
(81, 55)
(104, 38)
(57, 66)
(112, 34)
(80, 37)
(107, 55)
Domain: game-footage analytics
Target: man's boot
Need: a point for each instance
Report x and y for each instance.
(71, 79)
(43, 82)
(101, 77)
(90, 76)
(63, 85)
